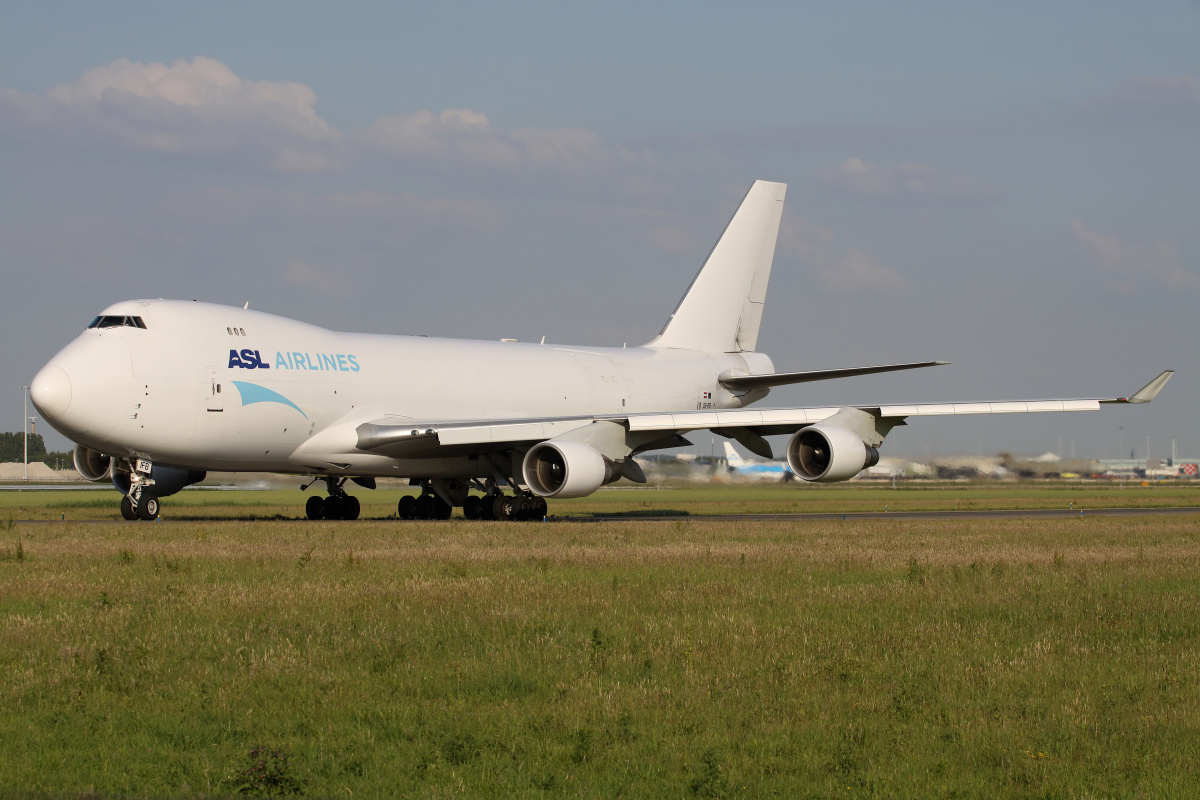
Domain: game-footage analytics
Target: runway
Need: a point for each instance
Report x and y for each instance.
(1032, 513)
(675, 515)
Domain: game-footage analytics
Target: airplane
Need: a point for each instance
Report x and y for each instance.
(758, 470)
(156, 392)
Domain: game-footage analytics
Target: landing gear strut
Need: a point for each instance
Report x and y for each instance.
(338, 505)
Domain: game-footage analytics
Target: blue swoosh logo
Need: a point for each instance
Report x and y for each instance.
(253, 393)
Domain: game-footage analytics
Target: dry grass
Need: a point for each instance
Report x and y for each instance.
(680, 658)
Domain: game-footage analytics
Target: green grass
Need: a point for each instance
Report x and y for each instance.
(680, 659)
(691, 500)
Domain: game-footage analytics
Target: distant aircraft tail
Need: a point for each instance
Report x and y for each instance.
(732, 457)
(722, 309)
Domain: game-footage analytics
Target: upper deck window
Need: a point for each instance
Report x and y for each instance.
(117, 322)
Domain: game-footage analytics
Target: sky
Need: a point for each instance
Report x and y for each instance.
(1012, 187)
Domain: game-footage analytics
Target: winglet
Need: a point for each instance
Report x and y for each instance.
(1147, 392)
(1151, 389)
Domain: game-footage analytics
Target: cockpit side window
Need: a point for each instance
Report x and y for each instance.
(106, 321)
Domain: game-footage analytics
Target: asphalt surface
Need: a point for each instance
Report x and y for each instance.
(675, 515)
(1033, 513)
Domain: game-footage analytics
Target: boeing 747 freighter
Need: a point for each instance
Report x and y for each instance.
(156, 392)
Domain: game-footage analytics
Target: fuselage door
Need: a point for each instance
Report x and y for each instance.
(213, 389)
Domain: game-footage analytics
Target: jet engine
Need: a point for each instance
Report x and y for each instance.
(826, 453)
(92, 465)
(560, 468)
(167, 480)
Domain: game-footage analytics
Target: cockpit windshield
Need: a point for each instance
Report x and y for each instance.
(117, 322)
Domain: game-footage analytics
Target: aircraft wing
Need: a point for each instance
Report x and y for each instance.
(400, 437)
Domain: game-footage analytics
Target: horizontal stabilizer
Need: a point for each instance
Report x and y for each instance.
(1147, 392)
(747, 382)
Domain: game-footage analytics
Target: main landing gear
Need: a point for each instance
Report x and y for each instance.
(338, 505)
(505, 507)
(493, 505)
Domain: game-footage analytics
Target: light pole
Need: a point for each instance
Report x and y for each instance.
(25, 429)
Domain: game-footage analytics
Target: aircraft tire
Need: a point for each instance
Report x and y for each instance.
(127, 511)
(315, 507)
(148, 507)
(471, 507)
(425, 507)
(520, 510)
(540, 508)
(503, 507)
(487, 509)
(350, 507)
(335, 507)
(441, 509)
(407, 507)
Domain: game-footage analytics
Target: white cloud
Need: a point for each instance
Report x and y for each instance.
(202, 108)
(197, 107)
(850, 271)
(1125, 268)
(458, 138)
(1164, 92)
(907, 183)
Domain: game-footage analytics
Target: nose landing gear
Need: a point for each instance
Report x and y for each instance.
(139, 502)
(338, 505)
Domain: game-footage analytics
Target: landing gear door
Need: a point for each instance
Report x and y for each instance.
(213, 389)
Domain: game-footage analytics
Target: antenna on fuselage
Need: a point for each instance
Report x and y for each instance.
(247, 304)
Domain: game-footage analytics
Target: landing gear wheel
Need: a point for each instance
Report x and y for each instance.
(315, 508)
(425, 507)
(540, 508)
(407, 507)
(335, 507)
(503, 507)
(441, 509)
(520, 510)
(147, 507)
(487, 507)
(127, 511)
(350, 507)
(471, 507)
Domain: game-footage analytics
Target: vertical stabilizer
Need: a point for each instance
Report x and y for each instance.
(722, 309)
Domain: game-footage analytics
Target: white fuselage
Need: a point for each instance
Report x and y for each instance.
(214, 387)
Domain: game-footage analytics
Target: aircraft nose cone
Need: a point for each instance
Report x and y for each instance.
(51, 391)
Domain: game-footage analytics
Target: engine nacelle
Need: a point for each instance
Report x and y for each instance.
(167, 480)
(560, 468)
(825, 453)
(92, 465)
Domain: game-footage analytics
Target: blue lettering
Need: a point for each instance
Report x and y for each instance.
(261, 364)
(308, 361)
(342, 363)
(248, 359)
(299, 360)
(279, 362)
(327, 359)
(234, 361)
(353, 364)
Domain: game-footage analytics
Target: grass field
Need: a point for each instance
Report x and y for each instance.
(684, 658)
(208, 504)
